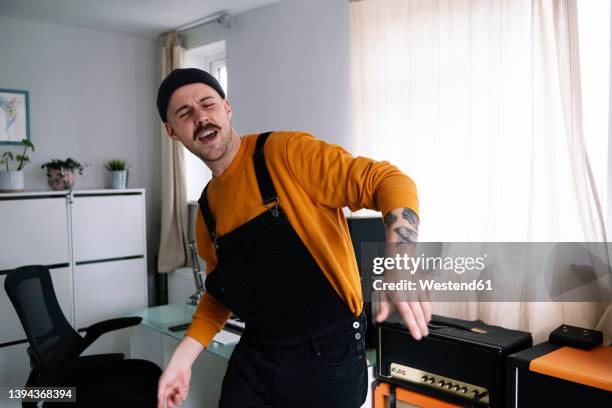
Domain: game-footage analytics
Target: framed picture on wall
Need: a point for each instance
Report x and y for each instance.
(14, 116)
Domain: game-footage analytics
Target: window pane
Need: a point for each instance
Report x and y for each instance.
(594, 37)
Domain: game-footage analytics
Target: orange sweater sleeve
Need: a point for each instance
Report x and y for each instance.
(334, 179)
(210, 315)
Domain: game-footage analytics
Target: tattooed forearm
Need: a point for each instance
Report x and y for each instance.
(411, 217)
(406, 234)
(402, 226)
(390, 219)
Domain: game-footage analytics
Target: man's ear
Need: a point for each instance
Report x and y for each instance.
(170, 131)
(228, 108)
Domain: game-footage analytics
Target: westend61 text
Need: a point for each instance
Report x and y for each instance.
(431, 285)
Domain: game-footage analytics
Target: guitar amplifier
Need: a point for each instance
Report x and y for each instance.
(390, 396)
(561, 376)
(460, 361)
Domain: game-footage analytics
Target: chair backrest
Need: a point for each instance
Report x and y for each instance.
(52, 338)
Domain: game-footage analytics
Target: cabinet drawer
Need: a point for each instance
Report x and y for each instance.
(106, 290)
(34, 232)
(107, 227)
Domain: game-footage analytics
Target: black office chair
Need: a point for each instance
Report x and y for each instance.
(55, 349)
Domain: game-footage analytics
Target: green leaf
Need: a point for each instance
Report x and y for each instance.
(115, 164)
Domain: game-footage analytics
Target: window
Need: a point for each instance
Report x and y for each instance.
(474, 101)
(594, 42)
(210, 58)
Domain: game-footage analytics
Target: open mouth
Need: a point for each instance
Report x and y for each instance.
(207, 136)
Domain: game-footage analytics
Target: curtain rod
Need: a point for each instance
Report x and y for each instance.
(223, 18)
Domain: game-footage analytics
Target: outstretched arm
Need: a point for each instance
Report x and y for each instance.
(173, 384)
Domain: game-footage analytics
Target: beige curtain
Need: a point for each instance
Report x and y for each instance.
(172, 245)
(564, 48)
(479, 102)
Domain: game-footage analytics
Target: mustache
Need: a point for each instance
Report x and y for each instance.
(200, 129)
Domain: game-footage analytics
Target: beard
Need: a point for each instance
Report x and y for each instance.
(218, 149)
(214, 154)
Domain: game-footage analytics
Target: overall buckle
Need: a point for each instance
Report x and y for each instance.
(274, 208)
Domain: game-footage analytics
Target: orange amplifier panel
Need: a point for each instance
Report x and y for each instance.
(587, 367)
(560, 375)
(406, 398)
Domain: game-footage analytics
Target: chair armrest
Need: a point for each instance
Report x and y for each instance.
(97, 329)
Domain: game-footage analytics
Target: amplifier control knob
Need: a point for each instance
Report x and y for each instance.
(449, 386)
(456, 388)
(441, 383)
(431, 380)
(475, 393)
(424, 378)
(463, 390)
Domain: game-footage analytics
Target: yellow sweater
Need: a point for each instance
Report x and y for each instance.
(314, 180)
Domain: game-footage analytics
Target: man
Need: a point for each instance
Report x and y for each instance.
(279, 256)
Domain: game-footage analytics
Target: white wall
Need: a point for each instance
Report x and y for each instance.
(92, 98)
(609, 209)
(288, 67)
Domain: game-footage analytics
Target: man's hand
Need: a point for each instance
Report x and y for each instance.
(402, 226)
(173, 384)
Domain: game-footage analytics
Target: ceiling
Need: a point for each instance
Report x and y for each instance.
(140, 18)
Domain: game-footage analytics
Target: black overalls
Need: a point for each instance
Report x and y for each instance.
(302, 346)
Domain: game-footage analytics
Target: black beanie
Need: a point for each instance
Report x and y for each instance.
(180, 77)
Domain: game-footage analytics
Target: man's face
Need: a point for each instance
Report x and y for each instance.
(200, 120)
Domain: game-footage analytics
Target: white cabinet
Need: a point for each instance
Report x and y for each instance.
(104, 290)
(109, 255)
(94, 244)
(106, 227)
(64, 289)
(34, 231)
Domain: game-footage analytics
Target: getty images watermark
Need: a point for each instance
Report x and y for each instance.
(493, 272)
(412, 264)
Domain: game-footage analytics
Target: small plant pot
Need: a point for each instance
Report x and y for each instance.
(119, 179)
(11, 181)
(61, 179)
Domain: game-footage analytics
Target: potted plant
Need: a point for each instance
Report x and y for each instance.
(12, 180)
(61, 173)
(119, 173)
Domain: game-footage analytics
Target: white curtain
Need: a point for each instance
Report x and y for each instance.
(479, 102)
(173, 237)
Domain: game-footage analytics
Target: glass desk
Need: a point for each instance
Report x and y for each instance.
(159, 318)
(152, 340)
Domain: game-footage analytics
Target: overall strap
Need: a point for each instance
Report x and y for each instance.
(211, 224)
(264, 182)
